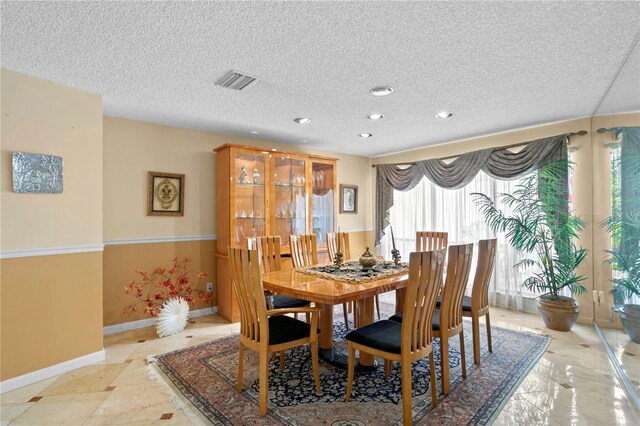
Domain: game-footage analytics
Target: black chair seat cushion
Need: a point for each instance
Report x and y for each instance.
(383, 335)
(435, 322)
(284, 329)
(466, 303)
(281, 301)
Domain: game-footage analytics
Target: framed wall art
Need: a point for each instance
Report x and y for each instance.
(348, 198)
(165, 194)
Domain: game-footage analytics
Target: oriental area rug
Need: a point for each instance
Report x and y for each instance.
(204, 377)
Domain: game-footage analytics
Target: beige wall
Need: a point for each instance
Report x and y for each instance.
(51, 306)
(582, 183)
(51, 311)
(46, 118)
(133, 148)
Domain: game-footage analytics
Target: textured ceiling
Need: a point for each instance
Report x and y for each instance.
(496, 65)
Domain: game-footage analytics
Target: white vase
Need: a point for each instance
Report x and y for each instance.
(173, 317)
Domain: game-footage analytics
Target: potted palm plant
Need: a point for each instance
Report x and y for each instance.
(542, 228)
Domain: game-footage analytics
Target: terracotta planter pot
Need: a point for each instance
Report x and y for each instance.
(558, 312)
(630, 317)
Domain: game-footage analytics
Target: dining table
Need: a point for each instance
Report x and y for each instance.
(326, 293)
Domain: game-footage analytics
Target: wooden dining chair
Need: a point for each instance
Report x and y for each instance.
(431, 240)
(478, 304)
(410, 340)
(447, 321)
(332, 246)
(304, 250)
(270, 256)
(269, 252)
(267, 330)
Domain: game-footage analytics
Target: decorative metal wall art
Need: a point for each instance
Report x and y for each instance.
(165, 194)
(37, 173)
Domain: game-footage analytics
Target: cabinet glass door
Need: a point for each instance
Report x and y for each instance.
(322, 202)
(248, 201)
(290, 198)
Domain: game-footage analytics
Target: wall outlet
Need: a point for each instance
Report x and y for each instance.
(209, 287)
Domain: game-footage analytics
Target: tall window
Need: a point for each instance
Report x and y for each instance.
(617, 209)
(427, 207)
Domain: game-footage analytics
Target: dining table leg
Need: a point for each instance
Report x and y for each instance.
(365, 316)
(401, 294)
(326, 326)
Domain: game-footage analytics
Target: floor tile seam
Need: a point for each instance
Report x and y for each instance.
(97, 407)
(21, 414)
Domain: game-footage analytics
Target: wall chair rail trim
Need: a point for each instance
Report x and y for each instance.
(153, 240)
(50, 251)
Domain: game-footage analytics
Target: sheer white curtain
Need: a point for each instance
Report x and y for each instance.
(322, 215)
(427, 207)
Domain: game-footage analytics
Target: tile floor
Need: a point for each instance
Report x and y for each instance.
(627, 352)
(572, 384)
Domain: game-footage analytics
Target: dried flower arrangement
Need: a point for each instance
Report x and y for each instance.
(153, 290)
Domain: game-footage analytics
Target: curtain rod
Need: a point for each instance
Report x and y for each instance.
(411, 163)
(612, 129)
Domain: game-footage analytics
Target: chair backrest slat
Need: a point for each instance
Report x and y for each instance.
(425, 280)
(484, 269)
(431, 240)
(332, 245)
(304, 251)
(246, 279)
(269, 252)
(458, 265)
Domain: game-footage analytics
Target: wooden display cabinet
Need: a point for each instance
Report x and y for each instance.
(265, 192)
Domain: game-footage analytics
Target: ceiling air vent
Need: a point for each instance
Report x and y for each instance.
(235, 80)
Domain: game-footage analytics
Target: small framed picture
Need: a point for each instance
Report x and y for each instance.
(348, 199)
(165, 194)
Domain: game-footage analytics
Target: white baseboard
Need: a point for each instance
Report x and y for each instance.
(54, 370)
(150, 322)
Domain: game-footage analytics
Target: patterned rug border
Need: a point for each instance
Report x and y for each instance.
(486, 414)
(179, 400)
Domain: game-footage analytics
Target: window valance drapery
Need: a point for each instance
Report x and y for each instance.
(499, 163)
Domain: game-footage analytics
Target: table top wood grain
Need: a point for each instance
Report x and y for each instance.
(327, 291)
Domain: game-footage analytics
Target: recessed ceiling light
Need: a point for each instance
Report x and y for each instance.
(444, 114)
(304, 140)
(375, 116)
(365, 135)
(381, 90)
(302, 120)
(273, 149)
(254, 132)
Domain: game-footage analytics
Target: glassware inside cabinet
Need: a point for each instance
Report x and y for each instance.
(249, 198)
(322, 200)
(290, 198)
